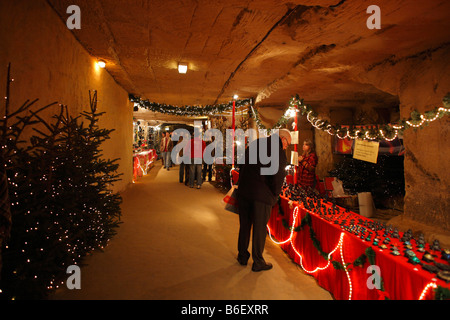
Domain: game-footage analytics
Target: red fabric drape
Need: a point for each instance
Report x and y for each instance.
(401, 279)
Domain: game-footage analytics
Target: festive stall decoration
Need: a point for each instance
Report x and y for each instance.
(390, 258)
(387, 132)
(188, 110)
(142, 162)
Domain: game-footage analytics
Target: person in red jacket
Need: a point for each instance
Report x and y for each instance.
(307, 164)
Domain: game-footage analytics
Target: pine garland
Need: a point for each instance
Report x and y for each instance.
(188, 110)
(372, 132)
(441, 293)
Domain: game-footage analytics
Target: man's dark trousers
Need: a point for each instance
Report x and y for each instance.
(254, 213)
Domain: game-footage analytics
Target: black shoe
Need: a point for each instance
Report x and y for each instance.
(264, 267)
(241, 261)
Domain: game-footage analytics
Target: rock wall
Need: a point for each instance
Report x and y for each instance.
(421, 81)
(49, 64)
(418, 82)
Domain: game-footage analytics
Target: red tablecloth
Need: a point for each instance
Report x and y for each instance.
(401, 280)
(142, 162)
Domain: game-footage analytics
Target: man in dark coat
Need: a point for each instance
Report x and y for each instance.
(258, 191)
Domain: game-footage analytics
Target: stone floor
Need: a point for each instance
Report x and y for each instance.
(178, 243)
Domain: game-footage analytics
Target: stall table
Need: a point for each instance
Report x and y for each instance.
(328, 249)
(142, 162)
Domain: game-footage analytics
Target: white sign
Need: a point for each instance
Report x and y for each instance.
(294, 158)
(366, 150)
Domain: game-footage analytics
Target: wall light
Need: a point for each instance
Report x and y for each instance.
(182, 68)
(101, 64)
(235, 97)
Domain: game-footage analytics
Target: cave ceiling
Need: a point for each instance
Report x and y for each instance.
(259, 49)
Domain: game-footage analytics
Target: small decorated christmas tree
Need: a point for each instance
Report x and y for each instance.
(62, 206)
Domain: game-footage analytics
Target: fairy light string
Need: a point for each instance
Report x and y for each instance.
(388, 132)
(339, 246)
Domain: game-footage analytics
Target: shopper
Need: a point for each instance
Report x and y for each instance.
(184, 167)
(207, 168)
(196, 148)
(307, 163)
(257, 194)
(166, 149)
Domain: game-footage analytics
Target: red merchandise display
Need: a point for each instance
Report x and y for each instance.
(142, 162)
(327, 247)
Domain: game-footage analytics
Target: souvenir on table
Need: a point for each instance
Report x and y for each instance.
(421, 249)
(444, 275)
(414, 260)
(436, 246)
(427, 257)
(430, 268)
(443, 267)
(445, 254)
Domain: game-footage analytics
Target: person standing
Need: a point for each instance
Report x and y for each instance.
(166, 149)
(307, 164)
(257, 194)
(184, 167)
(207, 167)
(196, 148)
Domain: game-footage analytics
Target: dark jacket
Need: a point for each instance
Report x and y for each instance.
(263, 188)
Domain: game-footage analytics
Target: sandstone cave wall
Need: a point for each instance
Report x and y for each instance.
(49, 64)
(421, 81)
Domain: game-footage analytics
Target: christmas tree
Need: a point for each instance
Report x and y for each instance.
(383, 179)
(62, 206)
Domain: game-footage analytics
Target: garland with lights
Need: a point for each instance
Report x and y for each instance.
(188, 110)
(62, 207)
(306, 220)
(387, 132)
(279, 124)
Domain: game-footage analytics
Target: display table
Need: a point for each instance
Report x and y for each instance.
(142, 162)
(339, 257)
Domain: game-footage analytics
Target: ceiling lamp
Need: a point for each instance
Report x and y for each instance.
(182, 68)
(101, 64)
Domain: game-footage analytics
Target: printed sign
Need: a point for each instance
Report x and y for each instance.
(294, 158)
(366, 150)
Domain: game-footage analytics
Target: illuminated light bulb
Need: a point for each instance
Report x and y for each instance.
(235, 96)
(367, 135)
(337, 135)
(182, 68)
(341, 241)
(384, 137)
(415, 125)
(101, 64)
(292, 229)
(290, 112)
(328, 258)
(425, 290)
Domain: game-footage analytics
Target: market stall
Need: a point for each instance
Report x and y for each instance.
(354, 257)
(142, 162)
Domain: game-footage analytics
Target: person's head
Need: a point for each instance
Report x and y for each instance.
(285, 137)
(308, 146)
